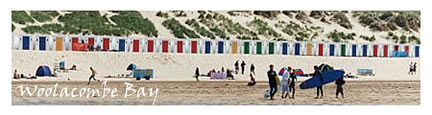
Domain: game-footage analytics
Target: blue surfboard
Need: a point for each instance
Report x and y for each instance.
(328, 76)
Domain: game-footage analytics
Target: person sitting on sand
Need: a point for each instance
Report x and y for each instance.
(252, 82)
(339, 88)
(271, 74)
(196, 74)
(73, 67)
(317, 73)
(92, 76)
(16, 75)
(230, 75)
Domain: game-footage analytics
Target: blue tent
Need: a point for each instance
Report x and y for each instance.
(131, 67)
(43, 71)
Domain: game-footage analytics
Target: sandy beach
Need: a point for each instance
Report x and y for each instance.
(230, 93)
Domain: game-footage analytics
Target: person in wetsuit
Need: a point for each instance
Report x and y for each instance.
(271, 74)
(317, 73)
(339, 88)
(293, 79)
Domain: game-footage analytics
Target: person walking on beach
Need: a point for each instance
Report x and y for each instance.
(243, 64)
(292, 79)
(92, 76)
(339, 88)
(319, 88)
(415, 68)
(284, 83)
(252, 69)
(271, 74)
(411, 70)
(236, 66)
(196, 74)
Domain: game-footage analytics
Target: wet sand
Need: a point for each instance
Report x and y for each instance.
(227, 93)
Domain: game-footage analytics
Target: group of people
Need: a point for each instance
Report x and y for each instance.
(288, 83)
(243, 66)
(413, 68)
(229, 73)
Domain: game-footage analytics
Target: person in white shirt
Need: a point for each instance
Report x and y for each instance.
(284, 83)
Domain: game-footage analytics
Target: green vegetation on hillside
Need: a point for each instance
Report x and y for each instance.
(21, 17)
(43, 16)
(179, 30)
(262, 28)
(161, 14)
(201, 30)
(221, 25)
(133, 22)
(342, 20)
(336, 36)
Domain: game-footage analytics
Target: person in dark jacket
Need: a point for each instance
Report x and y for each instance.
(236, 66)
(293, 79)
(339, 88)
(197, 74)
(317, 73)
(252, 69)
(243, 64)
(271, 74)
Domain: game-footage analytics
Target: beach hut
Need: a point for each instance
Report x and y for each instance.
(136, 45)
(91, 41)
(246, 44)
(194, 46)
(151, 45)
(385, 50)
(365, 49)
(74, 41)
(59, 43)
(258, 47)
(417, 51)
(271, 47)
(234, 47)
(16, 40)
(42, 43)
(284, 48)
(331, 49)
(25, 42)
(106, 41)
(121, 44)
(208, 46)
(407, 49)
(375, 50)
(309, 49)
(165, 45)
(354, 50)
(320, 49)
(297, 47)
(343, 50)
(220, 47)
(179, 45)
(43, 71)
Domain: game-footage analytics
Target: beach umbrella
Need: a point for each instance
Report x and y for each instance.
(131, 67)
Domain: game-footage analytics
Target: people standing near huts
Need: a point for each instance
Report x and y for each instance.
(236, 66)
(243, 64)
(252, 68)
(271, 74)
(92, 76)
(339, 88)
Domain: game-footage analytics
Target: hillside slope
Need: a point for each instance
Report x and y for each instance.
(329, 26)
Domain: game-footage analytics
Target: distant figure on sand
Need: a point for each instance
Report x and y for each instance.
(252, 82)
(243, 64)
(271, 74)
(236, 66)
(252, 69)
(196, 74)
(230, 75)
(284, 83)
(16, 75)
(92, 76)
(413, 68)
(293, 79)
(339, 88)
(317, 73)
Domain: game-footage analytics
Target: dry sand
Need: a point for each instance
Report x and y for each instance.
(230, 93)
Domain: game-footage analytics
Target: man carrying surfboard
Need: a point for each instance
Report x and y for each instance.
(271, 74)
(317, 73)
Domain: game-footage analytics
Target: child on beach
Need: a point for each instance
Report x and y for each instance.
(92, 76)
(271, 74)
(339, 88)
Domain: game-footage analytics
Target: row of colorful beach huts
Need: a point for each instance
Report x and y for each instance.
(208, 46)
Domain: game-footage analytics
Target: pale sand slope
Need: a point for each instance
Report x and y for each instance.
(225, 92)
(182, 66)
